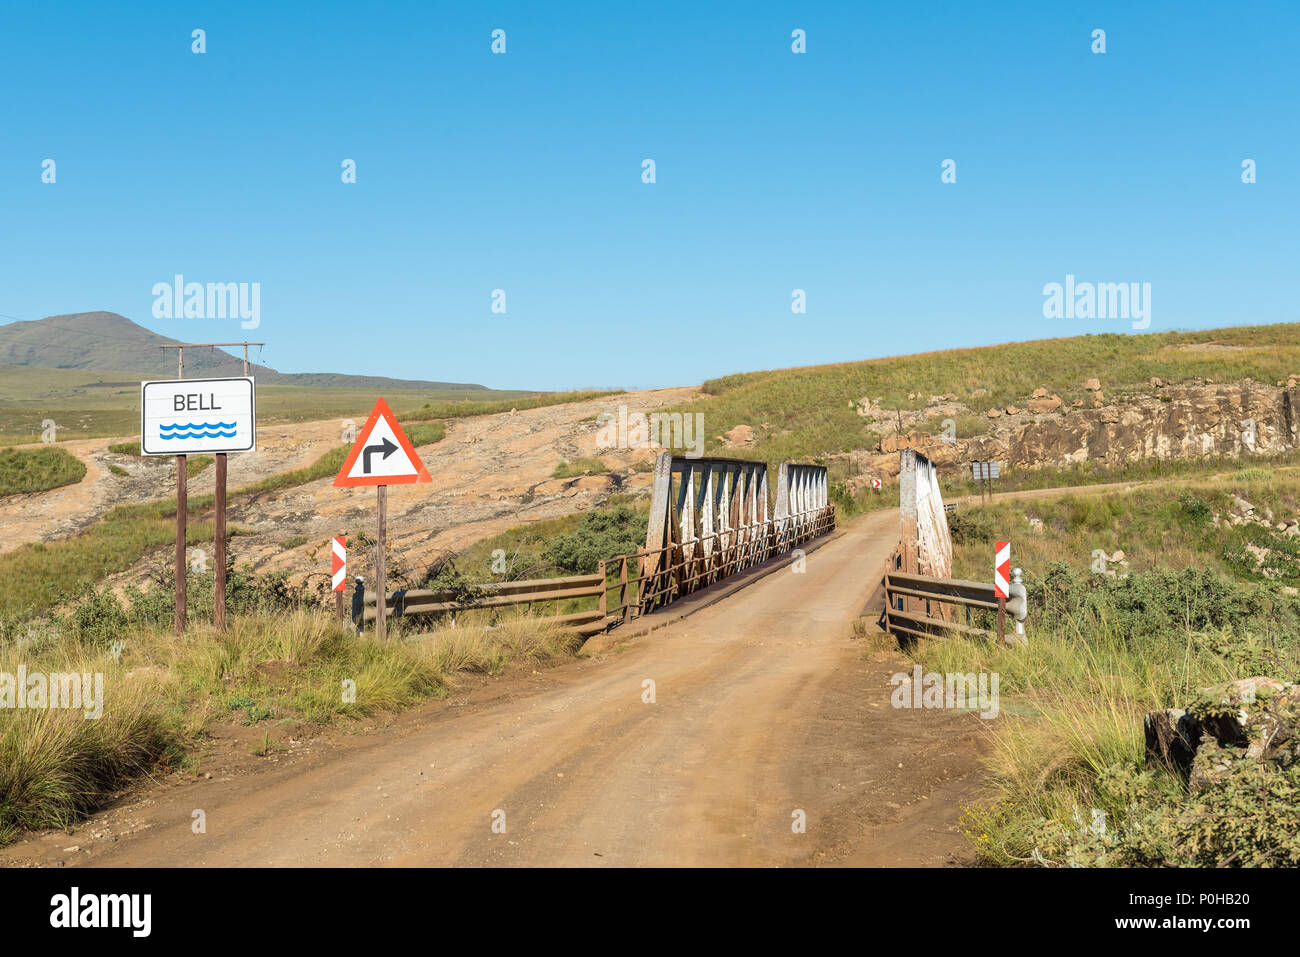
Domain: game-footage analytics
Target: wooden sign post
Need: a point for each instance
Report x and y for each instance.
(182, 417)
(219, 534)
(381, 456)
(182, 505)
(985, 473)
(381, 572)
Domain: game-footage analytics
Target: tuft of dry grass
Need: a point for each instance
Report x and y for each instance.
(161, 695)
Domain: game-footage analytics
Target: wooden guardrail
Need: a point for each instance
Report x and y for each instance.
(923, 607)
(413, 601)
(637, 583)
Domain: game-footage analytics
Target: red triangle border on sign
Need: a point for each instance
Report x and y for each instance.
(381, 409)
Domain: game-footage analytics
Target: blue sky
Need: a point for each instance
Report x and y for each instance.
(522, 172)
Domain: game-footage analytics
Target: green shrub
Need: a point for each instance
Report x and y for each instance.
(972, 526)
(1247, 820)
(579, 467)
(1159, 602)
(97, 619)
(1197, 510)
(599, 536)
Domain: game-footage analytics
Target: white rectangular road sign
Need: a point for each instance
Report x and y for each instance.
(187, 416)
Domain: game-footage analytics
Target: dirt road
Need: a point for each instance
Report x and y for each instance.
(765, 706)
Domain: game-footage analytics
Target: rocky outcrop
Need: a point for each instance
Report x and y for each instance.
(1187, 422)
(740, 435)
(1173, 422)
(1252, 719)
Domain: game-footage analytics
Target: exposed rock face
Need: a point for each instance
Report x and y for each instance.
(933, 447)
(1253, 719)
(1195, 421)
(1189, 421)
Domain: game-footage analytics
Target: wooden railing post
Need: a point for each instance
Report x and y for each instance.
(622, 589)
(600, 568)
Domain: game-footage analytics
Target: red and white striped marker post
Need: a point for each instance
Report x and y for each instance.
(340, 569)
(1002, 585)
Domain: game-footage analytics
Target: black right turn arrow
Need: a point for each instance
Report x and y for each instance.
(386, 447)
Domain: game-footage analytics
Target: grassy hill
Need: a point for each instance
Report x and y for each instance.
(105, 341)
(87, 404)
(83, 372)
(811, 412)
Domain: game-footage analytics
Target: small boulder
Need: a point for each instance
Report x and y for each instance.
(740, 435)
(1251, 719)
(1092, 385)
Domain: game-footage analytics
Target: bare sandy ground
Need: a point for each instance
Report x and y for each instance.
(490, 473)
(62, 512)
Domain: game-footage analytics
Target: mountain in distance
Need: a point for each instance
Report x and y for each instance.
(105, 341)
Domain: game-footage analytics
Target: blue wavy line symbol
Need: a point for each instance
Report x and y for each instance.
(196, 430)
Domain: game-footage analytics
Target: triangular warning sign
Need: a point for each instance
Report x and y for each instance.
(382, 455)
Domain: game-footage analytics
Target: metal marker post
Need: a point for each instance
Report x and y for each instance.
(1002, 585)
(381, 582)
(339, 572)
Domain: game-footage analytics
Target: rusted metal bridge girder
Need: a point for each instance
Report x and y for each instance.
(716, 520)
